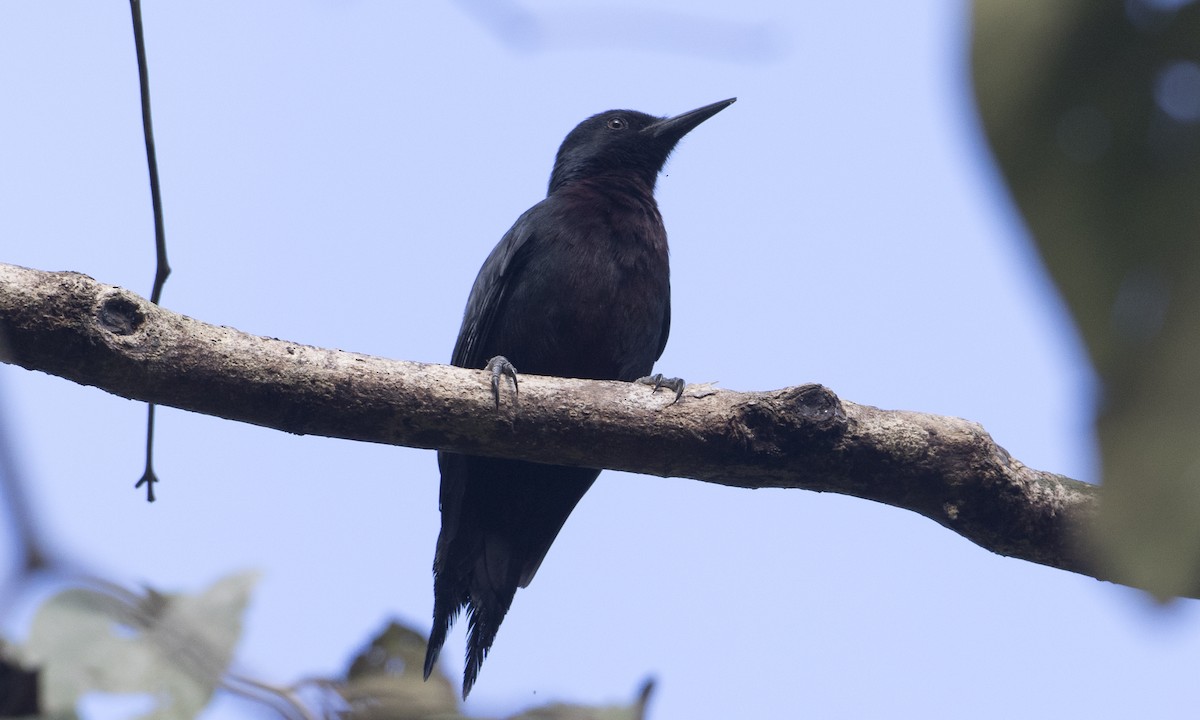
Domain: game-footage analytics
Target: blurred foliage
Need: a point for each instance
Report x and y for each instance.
(1093, 112)
(385, 683)
(172, 648)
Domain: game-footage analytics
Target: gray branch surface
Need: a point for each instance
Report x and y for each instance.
(944, 468)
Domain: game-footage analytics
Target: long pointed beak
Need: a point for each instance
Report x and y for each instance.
(673, 128)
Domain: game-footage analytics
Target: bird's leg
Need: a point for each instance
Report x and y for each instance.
(657, 381)
(499, 366)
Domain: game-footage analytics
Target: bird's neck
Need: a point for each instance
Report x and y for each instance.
(616, 184)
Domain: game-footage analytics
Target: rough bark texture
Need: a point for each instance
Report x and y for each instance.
(944, 468)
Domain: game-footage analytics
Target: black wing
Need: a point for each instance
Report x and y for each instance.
(490, 291)
(666, 329)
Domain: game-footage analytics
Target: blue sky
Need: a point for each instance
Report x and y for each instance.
(334, 173)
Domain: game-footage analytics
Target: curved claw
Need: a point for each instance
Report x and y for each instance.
(657, 381)
(499, 366)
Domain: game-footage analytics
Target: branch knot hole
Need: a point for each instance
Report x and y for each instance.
(797, 419)
(816, 404)
(120, 315)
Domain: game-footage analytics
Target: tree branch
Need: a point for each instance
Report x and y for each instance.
(944, 468)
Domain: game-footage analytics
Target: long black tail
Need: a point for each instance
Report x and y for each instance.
(486, 608)
(499, 518)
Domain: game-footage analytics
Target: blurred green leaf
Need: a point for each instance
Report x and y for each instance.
(1093, 112)
(563, 711)
(172, 647)
(385, 683)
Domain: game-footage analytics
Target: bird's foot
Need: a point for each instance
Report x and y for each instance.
(657, 381)
(500, 366)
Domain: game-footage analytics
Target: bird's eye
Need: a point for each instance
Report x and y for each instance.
(617, 123)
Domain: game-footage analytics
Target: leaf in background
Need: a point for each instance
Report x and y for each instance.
(385, 683)
(386, 680)
(172, 647)
(562, 711)
(1093, 112)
